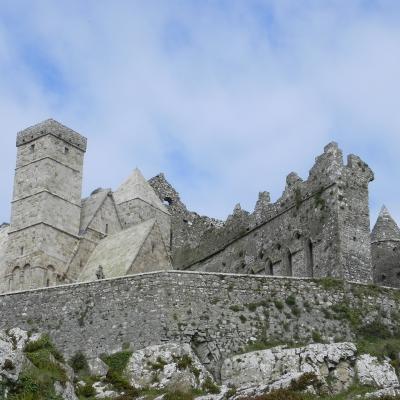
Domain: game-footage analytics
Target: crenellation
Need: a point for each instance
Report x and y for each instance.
(319, 227)
(53, 128)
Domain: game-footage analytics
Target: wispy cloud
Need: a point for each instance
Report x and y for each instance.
(225, 97)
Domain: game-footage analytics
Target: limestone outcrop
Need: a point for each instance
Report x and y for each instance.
(172, 368)
(165, 366)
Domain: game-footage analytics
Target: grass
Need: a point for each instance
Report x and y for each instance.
(117, 363)
(278, 305)
(293, 394)
(210, 387)
(329, 283)
(36, 382)
(183, 362)
(343, 311)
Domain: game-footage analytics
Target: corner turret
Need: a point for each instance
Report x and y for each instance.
(385, 249)
(385, 227)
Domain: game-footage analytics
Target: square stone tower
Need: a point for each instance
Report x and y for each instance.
(46, 204)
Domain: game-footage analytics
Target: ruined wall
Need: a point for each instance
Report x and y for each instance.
(187, 227)
(316, 225)
(354, 221)
(219, 314)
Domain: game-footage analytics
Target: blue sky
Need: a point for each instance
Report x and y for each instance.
(225, 97)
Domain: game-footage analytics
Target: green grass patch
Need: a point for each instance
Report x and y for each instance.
(210, 387)
(36, 382)
(343, 311)
(117, 363)
(329, 283)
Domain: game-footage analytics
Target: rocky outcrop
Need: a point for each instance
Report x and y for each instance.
(372, 372)
(165, 366)
(334, 366)
(11, 356)
(277, 367)
(175, 368)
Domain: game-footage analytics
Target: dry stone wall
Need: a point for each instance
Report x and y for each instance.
(218, 314)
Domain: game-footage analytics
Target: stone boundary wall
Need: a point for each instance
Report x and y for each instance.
(218, 314)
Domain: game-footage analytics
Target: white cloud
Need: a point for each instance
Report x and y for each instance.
(225, 97)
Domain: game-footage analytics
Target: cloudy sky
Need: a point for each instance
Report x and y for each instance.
(225, 97)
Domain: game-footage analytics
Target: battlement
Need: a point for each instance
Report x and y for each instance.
(52, 127)
(311, 230)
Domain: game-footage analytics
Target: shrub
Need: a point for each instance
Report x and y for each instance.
(78, 362)
(278, 305)
(302, 383)
(291, 300)
(210, 387)
(252, 306)
(344, 311)
(117, 361)
(316, 337)
(158, 365)
(375, 329)
(280, 394)
(183, 362)
(86, 391)
(330, 283)
(178, 395)
(43, 343)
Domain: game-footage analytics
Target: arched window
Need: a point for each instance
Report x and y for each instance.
(26, 276)
(50, 276)
(288, 262)
(21, 279)
(269, 269)
(309, 252)
(16, 276)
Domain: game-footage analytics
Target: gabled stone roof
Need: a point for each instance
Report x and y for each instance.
(55, 128)
(136, 187)
(116, 253)
(91, 205)
(385, 227)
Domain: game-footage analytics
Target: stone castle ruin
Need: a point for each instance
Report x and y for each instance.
(318, 228)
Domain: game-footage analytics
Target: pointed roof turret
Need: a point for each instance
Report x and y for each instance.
(136, 187)
(385, 227)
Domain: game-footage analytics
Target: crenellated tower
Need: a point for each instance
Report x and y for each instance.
(46, 206)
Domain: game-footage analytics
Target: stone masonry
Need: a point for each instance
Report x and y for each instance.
(217, 314)
(53, 232)
(319, 227)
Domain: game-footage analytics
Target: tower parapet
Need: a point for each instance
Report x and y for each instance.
(51, 127)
